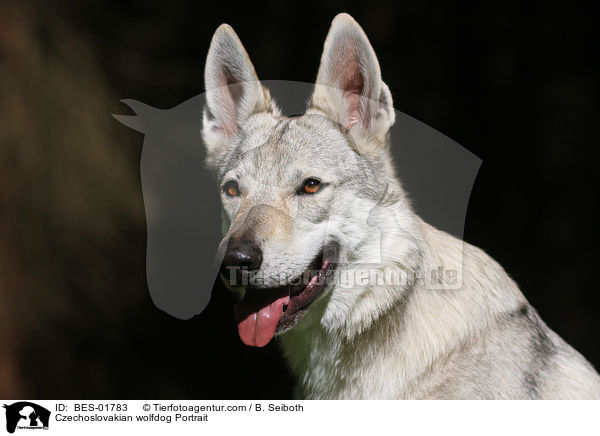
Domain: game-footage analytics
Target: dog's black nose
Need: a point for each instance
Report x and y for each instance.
(245, 255)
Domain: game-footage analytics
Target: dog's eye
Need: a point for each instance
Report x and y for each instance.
(231, 188)
(311, 186)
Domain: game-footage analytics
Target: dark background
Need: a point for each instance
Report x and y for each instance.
(515, 83)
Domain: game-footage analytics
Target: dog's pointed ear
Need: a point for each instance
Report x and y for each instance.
(233, 92)
(349, 88)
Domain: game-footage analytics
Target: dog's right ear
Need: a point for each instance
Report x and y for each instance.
(233, 93)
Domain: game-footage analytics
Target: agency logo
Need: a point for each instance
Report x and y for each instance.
(26, 415)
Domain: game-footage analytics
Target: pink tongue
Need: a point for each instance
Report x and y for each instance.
(257, 319)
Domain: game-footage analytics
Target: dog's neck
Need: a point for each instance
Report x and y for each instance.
(339, 351)
(322, 349)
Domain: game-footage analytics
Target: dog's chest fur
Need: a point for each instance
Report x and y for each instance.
(483, 341)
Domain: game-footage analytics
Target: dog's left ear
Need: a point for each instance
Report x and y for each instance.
(349, 88)
(233, 93)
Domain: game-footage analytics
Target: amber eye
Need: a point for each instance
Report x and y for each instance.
(311, 186)
(231, 188)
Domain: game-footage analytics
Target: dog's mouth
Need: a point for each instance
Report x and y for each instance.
(264, 312)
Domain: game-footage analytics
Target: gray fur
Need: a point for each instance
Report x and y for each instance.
(476, 339)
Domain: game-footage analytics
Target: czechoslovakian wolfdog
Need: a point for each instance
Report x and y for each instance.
(296, 213)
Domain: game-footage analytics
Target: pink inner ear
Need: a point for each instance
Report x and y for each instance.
(230, 95)
(354, 113)
(353, 84)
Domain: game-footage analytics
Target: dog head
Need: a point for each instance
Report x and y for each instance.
(296, 191)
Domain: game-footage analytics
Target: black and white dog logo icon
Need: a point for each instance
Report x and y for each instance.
(26, 415)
